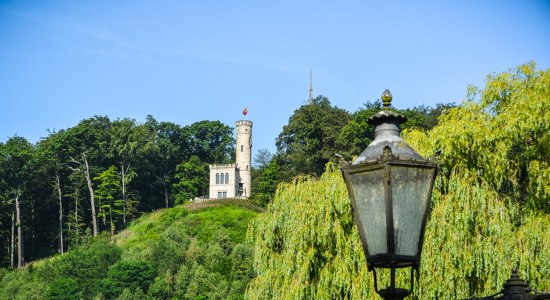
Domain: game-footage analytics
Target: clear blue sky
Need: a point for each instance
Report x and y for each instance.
(187, 61)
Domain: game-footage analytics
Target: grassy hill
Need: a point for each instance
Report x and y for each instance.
(192, 251)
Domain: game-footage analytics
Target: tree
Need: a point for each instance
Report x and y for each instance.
(128, 274)
(170, 143)
(264, 182)
(126, 144)
(191, 180)
(500, 134)
(262, 159)
(88, 141)
(16, 165)
(109, 192)
(309, 140)
(57, 187)
(211, 141)
(82, 166)
(356, 135)
(489, 207)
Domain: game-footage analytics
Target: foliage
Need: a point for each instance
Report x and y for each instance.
(88, 264)
(307, 246)
(198, 254)
(356, 135)
(489, 211)
(108, 192)
(128, 274)
(134, 166)
(19, 285)
(191, 180)
(211, 141)
(64, 288)
(308, 141)
(264, 182)
(502, 136)
(162, 255)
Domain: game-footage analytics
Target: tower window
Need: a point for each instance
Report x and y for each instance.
(226, 178)
(247, 167)
(242, 148)
(217, 178)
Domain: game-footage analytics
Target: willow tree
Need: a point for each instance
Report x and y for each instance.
(490, 209)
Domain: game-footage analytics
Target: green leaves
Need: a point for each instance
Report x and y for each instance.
(490, 209)
(191, 180)
(309, 139)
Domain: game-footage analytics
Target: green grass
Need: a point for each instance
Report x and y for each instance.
(191, 234)
(198, 219)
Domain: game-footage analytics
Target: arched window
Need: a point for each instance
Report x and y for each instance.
(226, 178)
(242, 148)
(217, 178)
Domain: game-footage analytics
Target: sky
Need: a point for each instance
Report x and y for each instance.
(186, 61)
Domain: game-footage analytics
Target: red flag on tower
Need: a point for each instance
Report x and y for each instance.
(245, 111)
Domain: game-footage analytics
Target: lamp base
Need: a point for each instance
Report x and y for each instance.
(394, 294)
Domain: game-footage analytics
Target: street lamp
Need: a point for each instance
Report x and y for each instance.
(390, 187)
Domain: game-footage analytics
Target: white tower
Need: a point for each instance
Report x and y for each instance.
(244, 157)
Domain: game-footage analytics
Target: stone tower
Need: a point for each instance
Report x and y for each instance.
(244, 157)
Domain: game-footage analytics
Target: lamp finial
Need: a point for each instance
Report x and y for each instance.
(386, 98)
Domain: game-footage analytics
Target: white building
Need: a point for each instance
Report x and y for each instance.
(234, 180)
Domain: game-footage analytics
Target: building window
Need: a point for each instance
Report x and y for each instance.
(219, 194)
(226, 178)
(224, 195)
(217, 178)
(242, 148)
(247, 167)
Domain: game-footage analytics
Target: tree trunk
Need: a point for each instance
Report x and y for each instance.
(166, 190)
(12, 256)
(91, 190)
(19, 232)
(124, 192)
(76, 212)
(60, 197)
(112, 223)
(32, 219)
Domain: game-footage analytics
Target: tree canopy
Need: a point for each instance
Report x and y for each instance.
(489, 207)
(118, 167)
(309, 139)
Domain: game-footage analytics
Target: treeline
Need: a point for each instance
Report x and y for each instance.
(100, 174)
(97, 176)
(316, 132)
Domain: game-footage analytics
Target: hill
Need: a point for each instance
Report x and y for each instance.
(192, 251)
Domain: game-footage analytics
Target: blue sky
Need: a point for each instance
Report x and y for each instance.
(187, 61)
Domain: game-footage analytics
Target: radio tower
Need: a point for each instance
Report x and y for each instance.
(310, 99)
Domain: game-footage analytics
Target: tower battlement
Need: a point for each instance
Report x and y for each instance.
(244, 123)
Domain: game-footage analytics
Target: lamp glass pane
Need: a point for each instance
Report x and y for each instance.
(368, 188)
(410, 192)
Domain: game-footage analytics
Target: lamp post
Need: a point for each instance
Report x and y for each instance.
(390, 187)
(516, 288)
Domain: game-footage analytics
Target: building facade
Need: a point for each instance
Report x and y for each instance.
(234, 180)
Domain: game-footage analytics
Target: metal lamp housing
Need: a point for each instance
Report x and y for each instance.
(390, 186)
